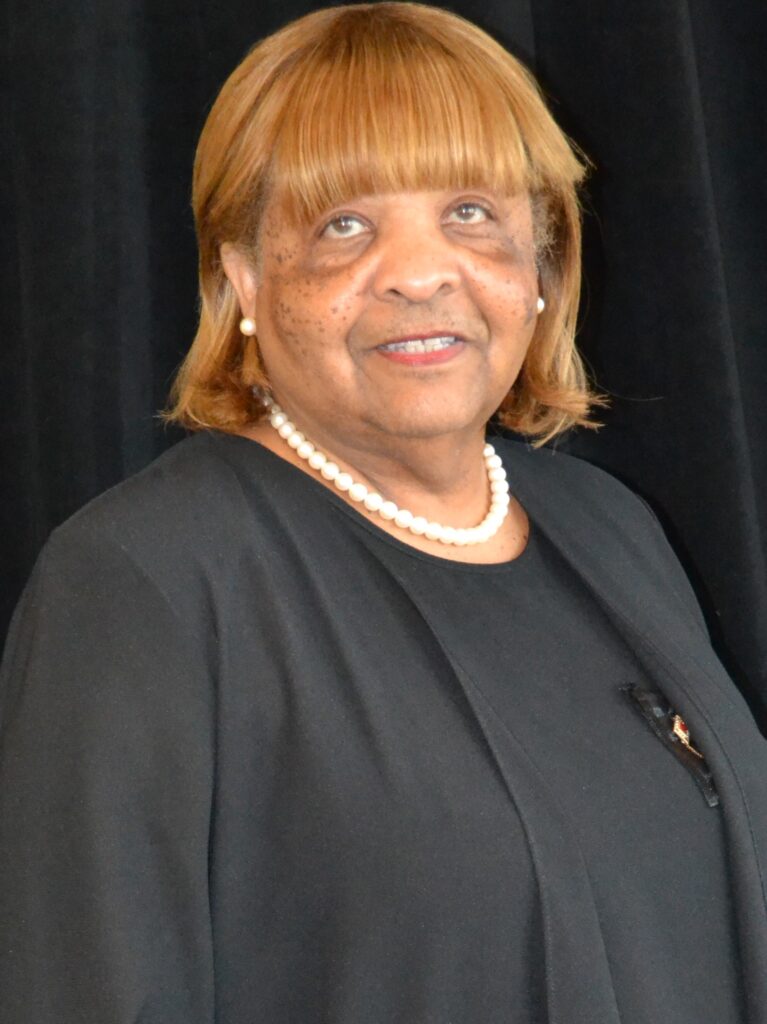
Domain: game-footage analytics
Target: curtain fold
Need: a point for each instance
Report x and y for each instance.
(670, 105)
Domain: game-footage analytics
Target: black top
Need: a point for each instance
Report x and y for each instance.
(552, 665)
(261, 761)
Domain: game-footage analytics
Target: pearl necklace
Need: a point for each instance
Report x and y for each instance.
(373, 502)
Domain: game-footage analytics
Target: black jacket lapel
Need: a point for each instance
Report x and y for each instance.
(613, 543)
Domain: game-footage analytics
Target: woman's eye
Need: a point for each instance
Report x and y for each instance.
(343, 226)
(473, 208)
(342, 222)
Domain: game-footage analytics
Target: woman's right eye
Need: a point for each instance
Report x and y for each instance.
(344, 219)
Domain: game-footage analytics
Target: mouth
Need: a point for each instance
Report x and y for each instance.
(422, 344)
(423, 351)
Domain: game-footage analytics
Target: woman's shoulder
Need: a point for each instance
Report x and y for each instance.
(178, 494)
(581, 502)
(178, 521)
(572, 476)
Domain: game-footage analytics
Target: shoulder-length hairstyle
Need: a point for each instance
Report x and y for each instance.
(363, 99)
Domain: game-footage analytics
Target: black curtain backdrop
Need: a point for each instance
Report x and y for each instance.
(102, 105)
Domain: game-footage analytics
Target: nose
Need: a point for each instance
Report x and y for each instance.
(416, 264)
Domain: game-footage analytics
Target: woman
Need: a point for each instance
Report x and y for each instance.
(349, 708)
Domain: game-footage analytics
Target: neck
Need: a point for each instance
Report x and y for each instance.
(442, 478)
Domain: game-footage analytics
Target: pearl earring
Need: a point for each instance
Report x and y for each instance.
(248, 326)
(541, 304)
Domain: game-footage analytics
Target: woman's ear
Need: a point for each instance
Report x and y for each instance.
(242, 276)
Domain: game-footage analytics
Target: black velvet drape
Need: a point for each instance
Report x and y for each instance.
(102, 105)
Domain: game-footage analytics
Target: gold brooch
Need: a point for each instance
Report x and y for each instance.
(681, 730)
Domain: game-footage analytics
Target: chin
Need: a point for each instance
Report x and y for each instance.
(428, 423)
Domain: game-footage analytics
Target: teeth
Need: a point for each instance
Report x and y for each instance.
(420, 345)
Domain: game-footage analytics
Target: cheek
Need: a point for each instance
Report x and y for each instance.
(311, 315)
(289, 328)
(531, 312)
(298, 314)
(508, 297)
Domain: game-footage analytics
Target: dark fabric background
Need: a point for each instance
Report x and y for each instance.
(101, 107)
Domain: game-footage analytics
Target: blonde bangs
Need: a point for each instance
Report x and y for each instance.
(395, 110)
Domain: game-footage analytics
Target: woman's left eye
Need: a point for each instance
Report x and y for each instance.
(338, 224)
(473, 207)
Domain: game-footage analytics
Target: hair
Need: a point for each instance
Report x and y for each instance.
(363, 99)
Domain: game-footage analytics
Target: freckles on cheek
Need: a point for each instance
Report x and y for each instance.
(301, 318)
(520, 305)
(507, 298)
(312, 306)
(289, 327)
(284, 255)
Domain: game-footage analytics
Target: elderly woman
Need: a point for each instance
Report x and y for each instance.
(349, 709)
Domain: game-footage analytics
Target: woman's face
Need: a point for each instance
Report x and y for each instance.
(384, 268)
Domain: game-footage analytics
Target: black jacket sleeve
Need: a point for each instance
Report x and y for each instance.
(106, 775)
(678, 578)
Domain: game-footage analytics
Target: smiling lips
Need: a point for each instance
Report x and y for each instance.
(423, 351)
(421, 344)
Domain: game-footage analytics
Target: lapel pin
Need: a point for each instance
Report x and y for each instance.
(680, 729)
(671, 729)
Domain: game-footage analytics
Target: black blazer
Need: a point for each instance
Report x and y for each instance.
(117, 722)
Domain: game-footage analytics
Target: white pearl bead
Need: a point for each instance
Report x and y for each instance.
(418, 525)
(388, 510)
